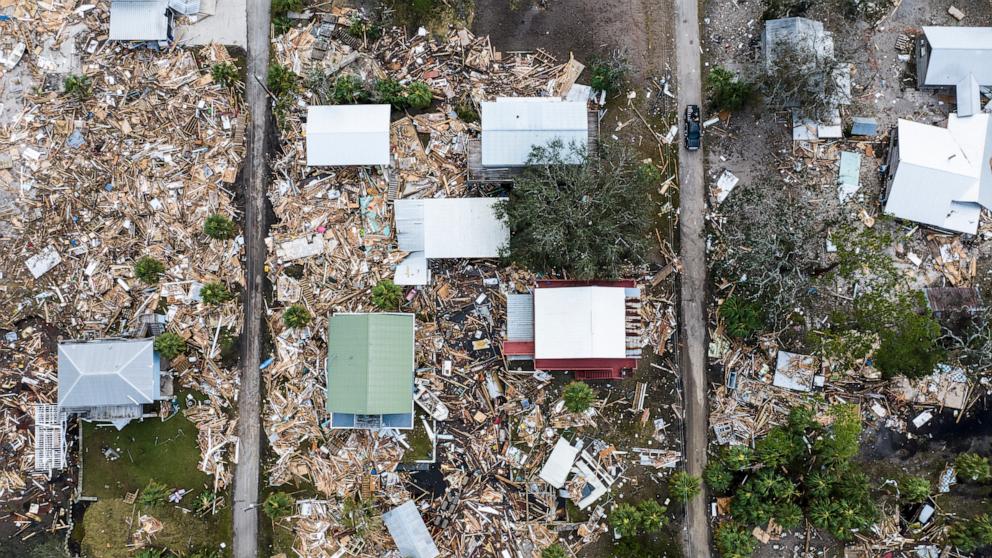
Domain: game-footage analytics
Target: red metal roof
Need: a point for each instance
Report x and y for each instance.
(557, 283)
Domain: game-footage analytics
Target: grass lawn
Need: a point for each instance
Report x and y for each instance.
(421, 447)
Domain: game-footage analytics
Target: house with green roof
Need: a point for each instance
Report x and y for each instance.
(370, 368)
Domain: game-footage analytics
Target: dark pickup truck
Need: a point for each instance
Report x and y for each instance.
(693, 129)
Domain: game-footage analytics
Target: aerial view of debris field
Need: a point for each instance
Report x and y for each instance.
(515, 279)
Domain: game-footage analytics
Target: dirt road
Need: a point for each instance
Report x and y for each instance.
(692, 334)
(257, 175)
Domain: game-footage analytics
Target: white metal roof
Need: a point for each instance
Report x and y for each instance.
(559, 464)
(798, 32)
(103, 373)
(579, 322)
(451, 227)
(139, 20)
(409, 532)
(511, 127)
(956, 52)
(943, 177)
(344, 135)
(412, 270)
(969, 96)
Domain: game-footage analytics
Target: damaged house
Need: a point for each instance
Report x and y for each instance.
(110, 380)
(445, 228)
(588, 327)
(370, 364)
(941, 177)
(956, 57)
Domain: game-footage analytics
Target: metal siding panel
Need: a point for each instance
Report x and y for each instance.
(409, 224)
(139, 20)
(520, 317)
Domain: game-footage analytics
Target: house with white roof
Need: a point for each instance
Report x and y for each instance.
(445, 228)
(109, 380)
(958, 57)
(588, 327)
(941, 177)
(347, 135)
(140, 20)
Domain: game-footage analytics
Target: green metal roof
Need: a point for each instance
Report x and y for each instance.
(370, 363)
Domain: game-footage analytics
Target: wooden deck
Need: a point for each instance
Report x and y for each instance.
(478, 173)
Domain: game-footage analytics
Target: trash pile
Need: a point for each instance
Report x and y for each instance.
(490, 428)
(125, 160)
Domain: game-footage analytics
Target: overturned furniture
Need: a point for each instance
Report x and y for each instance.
(446, 228)
(588, 327)
(370, 363)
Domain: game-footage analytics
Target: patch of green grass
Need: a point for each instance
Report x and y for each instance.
(150, 450)
(420, 442)
(110, 522)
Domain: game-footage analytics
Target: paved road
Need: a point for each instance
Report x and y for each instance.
(692, 335)
(256, 181)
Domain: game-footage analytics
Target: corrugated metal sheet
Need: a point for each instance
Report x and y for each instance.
(139, 20)
(104, 373)
(370, 363)
(409, 224)
(347, 135)
(520, 317)
(409, 531)
(512, 127)
(450, 227)
(798, 32)
(969, 96)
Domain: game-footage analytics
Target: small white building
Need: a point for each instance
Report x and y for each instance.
(140, 20)
(513, 126)
(959, 57)
(347, 135)
(442, 228)
(941, 177)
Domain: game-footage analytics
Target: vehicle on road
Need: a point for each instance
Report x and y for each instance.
(693, 129)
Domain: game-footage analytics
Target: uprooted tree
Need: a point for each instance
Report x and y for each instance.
(802, 74)
(590, 219)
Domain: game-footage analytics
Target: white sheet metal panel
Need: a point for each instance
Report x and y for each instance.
(956, 52)
(102, 373)
(969, 96)
(347, 135)
(798, 32)
(559, 464)
(413, 270)
(943, 177)
(139, 20)
(511, 127)
(409, 532)
(520, 317)
(409, 224)
(579, 322)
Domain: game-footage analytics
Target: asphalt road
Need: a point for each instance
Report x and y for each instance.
(246, 473)
(692, 334)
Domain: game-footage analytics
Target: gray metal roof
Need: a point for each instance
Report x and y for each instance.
(864, 126)
(798, 32)
(512, 127)
(409, 224)
(956, 52)
(139, 20)
(409, 532)
(102, 373)
(520, 317)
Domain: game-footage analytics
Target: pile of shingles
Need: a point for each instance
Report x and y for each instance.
(132, 170)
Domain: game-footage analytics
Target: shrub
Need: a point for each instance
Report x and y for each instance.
(387, 295)
(740, 319)
(281, 80)
(153, 494)
(296, 316)
(608, 74)
(349, 89)
(914, 490)
(363, 29)
(148, 269)
(280, 10)
(910, 347)
(734, 540)
(683, 485)
(971, 534)
(727, 92)
(737, 458)
(219, 227)
(225, 74)
(626, 520)
(972, 467)
(207, 553)
(278, 505)
(215, 293)
(717, 477)
(170, 345)
(652, 515)
(150, 553)
(78, 85)
(553, 551)
(465, 109)
(578, 396)
(390, 91)
(419, 95)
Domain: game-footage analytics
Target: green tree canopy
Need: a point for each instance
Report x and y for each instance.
(219, 226)
(278, 505)
(590, 219)
(148, 269)
(578, 396)
(170, 345)
(387, 295)
(683, 485)
(727, 91)
(972, 467)
(296, 316)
